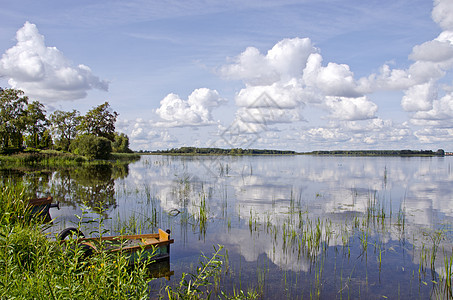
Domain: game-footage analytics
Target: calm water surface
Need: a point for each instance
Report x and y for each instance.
(293, 226)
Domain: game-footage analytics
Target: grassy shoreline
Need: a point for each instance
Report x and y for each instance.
(55, 159)
(35, 265)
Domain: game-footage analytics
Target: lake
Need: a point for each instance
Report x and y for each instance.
(292, 226)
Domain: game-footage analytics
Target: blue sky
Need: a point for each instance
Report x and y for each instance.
(298, 75)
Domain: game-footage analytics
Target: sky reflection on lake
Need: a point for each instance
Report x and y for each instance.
(262, 205)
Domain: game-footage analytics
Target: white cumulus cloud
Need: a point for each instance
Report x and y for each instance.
(343, 108)
(442, 13)
(433, 60)
(279, 95)
(332, 80)
(434, 51)
(292, 75)
(419, 97)
(195, 111)
(44, 72)
(360, 134)
(284, 61)
(442, 110)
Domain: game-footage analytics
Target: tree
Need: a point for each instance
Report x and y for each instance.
(91, 146)
(64, 126)
(13, 106)
(100, 121)
(121, 143)
(36, 124)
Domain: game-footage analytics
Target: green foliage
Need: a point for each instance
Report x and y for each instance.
(36, 126)
(39, 140)
(13, 206)
(25, 246)
(92, 147)
(64, 127)
(37, 268)
(23, 122)
(33, 158)
(121, 144)
(13, 105)
(99, 121)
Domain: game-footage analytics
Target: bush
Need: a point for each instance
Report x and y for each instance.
(121, 144)
(92, 147)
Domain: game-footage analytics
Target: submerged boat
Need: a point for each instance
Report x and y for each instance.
(155, 246)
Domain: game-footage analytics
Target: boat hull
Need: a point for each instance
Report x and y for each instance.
(152, 247)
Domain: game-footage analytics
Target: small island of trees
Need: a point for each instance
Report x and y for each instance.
(24, 126)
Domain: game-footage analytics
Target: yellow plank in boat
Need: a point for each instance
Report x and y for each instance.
(163, 236)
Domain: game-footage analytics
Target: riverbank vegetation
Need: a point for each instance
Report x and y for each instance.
(24, 126)
(35, 265)
(53, 159)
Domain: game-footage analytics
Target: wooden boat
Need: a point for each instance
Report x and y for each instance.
(41, 206)
(156, 246)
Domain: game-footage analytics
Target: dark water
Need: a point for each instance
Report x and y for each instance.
(293, 226)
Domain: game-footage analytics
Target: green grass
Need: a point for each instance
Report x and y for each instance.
(55, 159)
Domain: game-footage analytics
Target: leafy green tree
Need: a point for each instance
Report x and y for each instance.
(45, 140)
(36, 124)
(13, 105)
(92, 147)
(121, 143)
(100, 121)
(64, 126)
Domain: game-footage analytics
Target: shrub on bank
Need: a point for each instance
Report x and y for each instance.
(92, 147)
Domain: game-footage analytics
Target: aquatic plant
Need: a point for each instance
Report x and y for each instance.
(196, 285)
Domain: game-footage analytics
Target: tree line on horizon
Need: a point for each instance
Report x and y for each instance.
(24, 125)
(439, 152)
(219, 151)
(240, 151)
